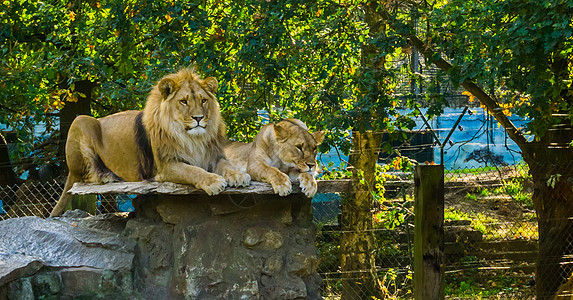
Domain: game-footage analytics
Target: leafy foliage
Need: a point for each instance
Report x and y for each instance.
(334, 64)
(274, 59)
(521, 50)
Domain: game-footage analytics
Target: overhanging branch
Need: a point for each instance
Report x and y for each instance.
(491, 104)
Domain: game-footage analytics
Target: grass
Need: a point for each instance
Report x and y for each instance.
(494, 287)
(470, 196)
(474, 171)
(515, 189)
(473, 281)
(478, 220)
(492, 228)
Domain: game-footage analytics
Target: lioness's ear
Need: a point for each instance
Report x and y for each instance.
(318, 136)
(211, 84)
(281, 133)
(166, 87)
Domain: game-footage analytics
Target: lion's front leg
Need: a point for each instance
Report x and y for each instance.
(280, 181)
(179, 172)
(232, 175)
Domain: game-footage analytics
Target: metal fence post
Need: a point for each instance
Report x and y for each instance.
(429, 232)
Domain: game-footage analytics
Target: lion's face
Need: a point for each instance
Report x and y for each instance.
(191, 103)
(297, 147)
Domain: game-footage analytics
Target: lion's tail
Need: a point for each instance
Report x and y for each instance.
(65, 198)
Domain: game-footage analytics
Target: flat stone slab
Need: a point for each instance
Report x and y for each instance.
(16, 265)
(28, 244)
(170, 188)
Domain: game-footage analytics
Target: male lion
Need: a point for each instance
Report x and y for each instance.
(178, 137)
(280, 149)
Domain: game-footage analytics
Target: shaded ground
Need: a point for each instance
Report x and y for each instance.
(498, 204)
(495, 194)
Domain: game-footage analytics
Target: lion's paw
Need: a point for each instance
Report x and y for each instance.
(238, 179)
(307, 184)
(282, 186)
(283, 189)
(213, 185)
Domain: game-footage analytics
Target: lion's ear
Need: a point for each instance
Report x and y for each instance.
(211, 84)
(281, 133)
(166, 87)
(318, 136)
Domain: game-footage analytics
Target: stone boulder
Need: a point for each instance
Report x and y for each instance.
(72, 256)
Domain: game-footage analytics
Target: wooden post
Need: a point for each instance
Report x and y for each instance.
(429, 232)
(87, 203)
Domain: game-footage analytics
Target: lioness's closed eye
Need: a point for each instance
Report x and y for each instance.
(280, 153)
(178, 137)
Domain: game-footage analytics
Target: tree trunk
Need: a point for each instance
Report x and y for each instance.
(67, 115)
(8, 178)
(551, 167)
(7, 175)
(357, 247)
(358, 265)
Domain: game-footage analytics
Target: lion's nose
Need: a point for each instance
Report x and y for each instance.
(310, 166)
(198, 118)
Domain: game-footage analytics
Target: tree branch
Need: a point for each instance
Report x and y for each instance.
(491, 104)
(433, 56)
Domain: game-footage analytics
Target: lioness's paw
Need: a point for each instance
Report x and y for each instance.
(238, 179)
(307, 184)
(282, 185)
(213, 184)
(283, 189)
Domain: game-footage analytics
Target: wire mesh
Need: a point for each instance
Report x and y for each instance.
(391, 226)
(491, 232)
(491, 237)
(39, 198)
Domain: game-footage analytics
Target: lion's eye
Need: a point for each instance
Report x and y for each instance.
(204, 100)
(184, 102)
(299, 147)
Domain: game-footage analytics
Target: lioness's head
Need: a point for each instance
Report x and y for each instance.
(297, 147)
(190, 102)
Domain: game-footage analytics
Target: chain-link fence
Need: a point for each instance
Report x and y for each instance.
(491, 232)
(392, 229)
(491, 236)
(39, 198)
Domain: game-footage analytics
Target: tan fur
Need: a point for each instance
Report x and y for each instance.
(184, 127)
(280, 153)
(565, 290)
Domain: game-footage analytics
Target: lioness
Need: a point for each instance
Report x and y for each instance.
(280, 149)
(178, 137)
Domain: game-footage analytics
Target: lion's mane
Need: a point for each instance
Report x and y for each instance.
(169, 138)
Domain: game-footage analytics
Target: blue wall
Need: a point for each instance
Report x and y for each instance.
(478, 132)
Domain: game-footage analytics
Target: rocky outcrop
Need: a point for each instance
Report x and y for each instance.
(234, 246)
(73, 256)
